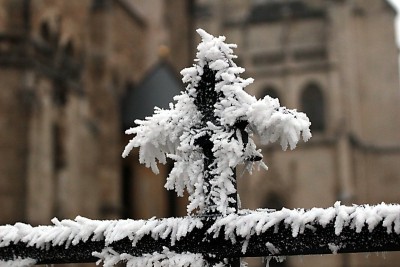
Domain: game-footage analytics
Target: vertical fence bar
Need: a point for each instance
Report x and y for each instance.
(206, 98)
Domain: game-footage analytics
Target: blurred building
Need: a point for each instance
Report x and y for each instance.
(68, 70)
(337, 61)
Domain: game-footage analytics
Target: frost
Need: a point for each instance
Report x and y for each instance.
(273, 250)
(19, 262)
(67, 232)
(242, 225)
(166, 258)
(175, 133)
(334, 248)
(247, 223)
(243, 263)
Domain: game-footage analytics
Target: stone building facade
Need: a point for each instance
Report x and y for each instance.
(65, 69)
(338, 62)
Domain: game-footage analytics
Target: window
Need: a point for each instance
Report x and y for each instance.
(60, 93)
(312, 103)
(100, 4)
(69, 49)
(49, 32)
(45, 31)
(58, 148)
(267, 59)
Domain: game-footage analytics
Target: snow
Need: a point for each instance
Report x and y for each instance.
(166, 258)
(334, 248)
(355, 217)
(244, 225)
(273, 250)
(19, 262)
(173, 133)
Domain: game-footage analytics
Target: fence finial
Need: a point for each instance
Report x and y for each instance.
(208, 131)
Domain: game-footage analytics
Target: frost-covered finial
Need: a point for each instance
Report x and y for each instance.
(204, 35)
(208, 131)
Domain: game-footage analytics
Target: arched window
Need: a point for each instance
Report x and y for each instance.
(69, 49)
(313, 104)
(58, 145)
(269, 90)
(45, 30)
(49, 29)
(100, 4)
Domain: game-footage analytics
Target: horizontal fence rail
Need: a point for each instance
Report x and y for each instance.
(339, 229)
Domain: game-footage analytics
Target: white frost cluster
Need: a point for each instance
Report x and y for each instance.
(173, 133)
(273, 250)
(166, 258)
(18, 262)
(355, 217)
(243, 225)
(72, 232)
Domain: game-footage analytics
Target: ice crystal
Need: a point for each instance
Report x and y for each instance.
(242, 225)
(18, 262)
(210, 110)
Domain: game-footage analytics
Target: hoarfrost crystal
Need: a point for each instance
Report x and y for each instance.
(175, 133)
(19, 262)
(242, 225)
